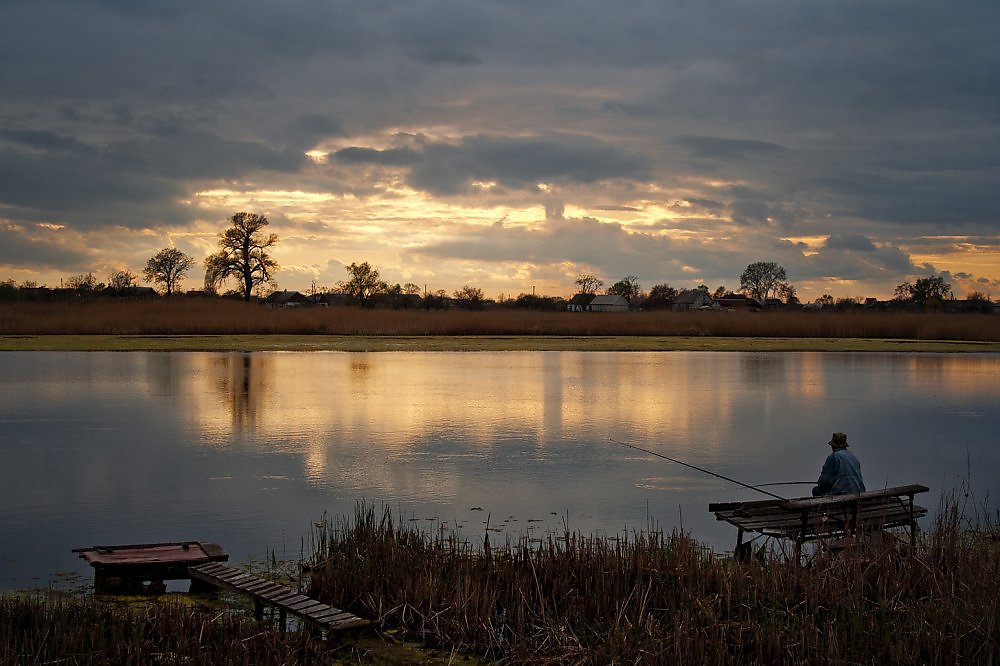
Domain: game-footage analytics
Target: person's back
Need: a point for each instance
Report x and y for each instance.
(841, 472)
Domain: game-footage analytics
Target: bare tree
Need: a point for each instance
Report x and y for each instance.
(627, 288)
(763, 280)
(364, 283)
(469, 298)
(243, 255)
(121, 281)
(167, 267)
(589, 283)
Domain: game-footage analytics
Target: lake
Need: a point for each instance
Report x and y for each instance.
(250, 450)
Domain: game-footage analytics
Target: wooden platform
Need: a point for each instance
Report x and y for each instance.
(286, 600)
(827, 517)
(143, 567)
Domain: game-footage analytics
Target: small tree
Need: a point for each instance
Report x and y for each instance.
(242, 255)
(627, 288)
(763, 280)
(167, 267)
(469, 298)
(84, 284)
(364, 283)
(927, 292)
(661, 296)
(121, 281)
(589, 283)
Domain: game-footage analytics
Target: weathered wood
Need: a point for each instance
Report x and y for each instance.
(829, 516)
(285, 599)
(124, 568)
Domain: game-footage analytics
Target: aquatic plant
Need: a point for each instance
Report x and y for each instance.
(651, 597)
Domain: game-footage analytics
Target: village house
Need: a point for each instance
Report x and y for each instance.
(579, 302)
(285, 299)
(693, 299)
(608, 303)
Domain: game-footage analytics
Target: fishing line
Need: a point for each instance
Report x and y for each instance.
(700, 469)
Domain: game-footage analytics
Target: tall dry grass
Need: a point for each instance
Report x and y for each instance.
(207, 317)
(39, 630)
(661, 598)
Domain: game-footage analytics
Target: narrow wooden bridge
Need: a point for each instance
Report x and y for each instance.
(284, 599)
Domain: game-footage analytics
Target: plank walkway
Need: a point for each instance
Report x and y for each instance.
(285, 599)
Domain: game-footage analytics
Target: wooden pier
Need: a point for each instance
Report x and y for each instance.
(142, 568)
(285, 600)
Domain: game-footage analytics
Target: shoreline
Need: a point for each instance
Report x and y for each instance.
(473, 343)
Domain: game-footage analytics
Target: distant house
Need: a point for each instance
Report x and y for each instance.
(285, 299)
(693, 299)
(608, 303)
(738, 302)
(579, 302)
(327, 299)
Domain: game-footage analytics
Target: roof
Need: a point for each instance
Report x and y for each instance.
(609, 299)
(286, 296)
(581, 299)
(692, 297)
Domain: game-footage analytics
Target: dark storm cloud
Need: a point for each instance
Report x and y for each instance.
(521, 164)
(449, 57)
(16, 247)
(728, 149)
(859, 119)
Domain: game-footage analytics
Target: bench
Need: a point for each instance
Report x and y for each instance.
(829, 517)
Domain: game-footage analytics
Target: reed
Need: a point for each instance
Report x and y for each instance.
(651, 597)
(185, 316)
(41, 629)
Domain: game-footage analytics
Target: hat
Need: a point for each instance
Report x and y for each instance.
(839, 440)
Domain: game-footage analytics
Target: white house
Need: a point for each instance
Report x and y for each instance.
(608, 303)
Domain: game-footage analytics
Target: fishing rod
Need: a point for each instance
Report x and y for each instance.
(700, 469)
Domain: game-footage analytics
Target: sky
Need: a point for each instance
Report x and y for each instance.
(508, 145)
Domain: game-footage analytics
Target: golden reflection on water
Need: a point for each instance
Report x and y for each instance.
(307, 402)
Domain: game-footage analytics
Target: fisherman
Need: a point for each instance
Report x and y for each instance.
(841, 473)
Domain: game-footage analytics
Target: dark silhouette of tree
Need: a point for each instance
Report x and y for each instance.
(589, 283)
(121, 281)
(364, 283)
(763, 281)
(84, 284)
(242, 255)
(167, 267)
(627, 288)
(929, 292)
(469, 298)
(661, 296)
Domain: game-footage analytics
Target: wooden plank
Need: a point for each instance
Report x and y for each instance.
(284, 598)
(812, 502)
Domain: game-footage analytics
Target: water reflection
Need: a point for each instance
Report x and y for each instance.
(249, 449)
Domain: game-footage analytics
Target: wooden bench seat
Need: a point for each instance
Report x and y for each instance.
(826, 517)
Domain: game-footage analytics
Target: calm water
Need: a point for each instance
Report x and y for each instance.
(249, 450)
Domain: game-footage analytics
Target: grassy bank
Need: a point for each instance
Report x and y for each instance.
(656, 598)
(643, 597)
(284, 342)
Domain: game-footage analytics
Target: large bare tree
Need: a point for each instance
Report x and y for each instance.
(242, 254)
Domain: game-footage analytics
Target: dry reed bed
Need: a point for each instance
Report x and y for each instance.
(40, 630)
(655, 598)
(225, 317)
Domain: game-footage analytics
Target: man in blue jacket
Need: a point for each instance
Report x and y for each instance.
(841, 473)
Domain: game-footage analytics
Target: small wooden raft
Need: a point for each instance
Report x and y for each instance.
(143, 567)
(825, 517)
(286, 600)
